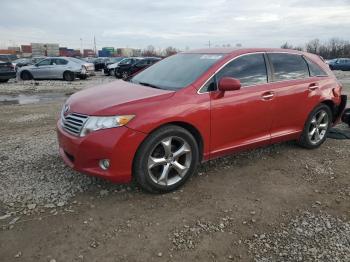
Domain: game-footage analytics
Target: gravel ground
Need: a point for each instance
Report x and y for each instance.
(15, 86)
(308, 237)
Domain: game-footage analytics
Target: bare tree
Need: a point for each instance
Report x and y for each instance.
(149, 51)
(170, 51)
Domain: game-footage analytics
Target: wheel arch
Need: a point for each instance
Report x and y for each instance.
(331, 106)
(187, 126)
(25, 71)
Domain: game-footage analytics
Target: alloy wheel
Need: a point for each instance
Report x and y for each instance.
(169, 161)
(318, 126)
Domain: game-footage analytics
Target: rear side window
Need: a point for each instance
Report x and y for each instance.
(288, 66)
(315, 70)
(60, 61)
(249, 69)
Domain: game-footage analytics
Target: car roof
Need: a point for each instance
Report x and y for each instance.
(232, 51)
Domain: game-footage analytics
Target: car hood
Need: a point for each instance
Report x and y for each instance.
(110, 99)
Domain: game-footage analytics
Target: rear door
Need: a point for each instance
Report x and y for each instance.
(59, 65)
(295, 95)
(241, 119)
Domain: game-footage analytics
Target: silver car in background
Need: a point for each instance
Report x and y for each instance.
(65, 68)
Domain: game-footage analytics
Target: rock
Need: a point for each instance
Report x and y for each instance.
(31, 206)
(160, 254)
(5, 216)
(60, 204)
(50, 206)
(104, 192)
(19, 254)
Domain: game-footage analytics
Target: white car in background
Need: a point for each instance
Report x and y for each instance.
(66, 68)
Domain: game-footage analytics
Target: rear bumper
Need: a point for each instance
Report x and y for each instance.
(7, 75)
(340, 108)
(83, 154)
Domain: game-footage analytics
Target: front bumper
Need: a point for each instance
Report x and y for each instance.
(83, 154)
(340, 108)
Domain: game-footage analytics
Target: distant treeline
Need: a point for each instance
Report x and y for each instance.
(333, 48)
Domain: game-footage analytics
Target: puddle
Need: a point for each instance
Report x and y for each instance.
(23, 99)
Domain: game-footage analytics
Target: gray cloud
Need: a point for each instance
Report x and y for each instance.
(180, 23)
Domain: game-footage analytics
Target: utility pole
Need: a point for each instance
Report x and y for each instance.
(81, 46)
(95, 50)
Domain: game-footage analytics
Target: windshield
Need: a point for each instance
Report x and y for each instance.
(177, 71)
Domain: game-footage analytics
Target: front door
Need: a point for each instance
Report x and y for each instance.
(242, 119)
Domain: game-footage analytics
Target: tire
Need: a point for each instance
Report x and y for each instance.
(25, 75)
(316, 127)
(68, 76)
(177, 155)
(124, 75)
(107, 72)
(4, 80)
(116, 73)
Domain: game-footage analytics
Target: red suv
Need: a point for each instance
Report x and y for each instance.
(196, 106)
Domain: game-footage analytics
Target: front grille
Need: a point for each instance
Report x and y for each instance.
(73, 123)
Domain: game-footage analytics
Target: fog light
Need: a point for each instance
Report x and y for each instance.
(104, 164)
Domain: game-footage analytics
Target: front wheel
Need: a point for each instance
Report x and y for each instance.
(316, 127)
(166, 159)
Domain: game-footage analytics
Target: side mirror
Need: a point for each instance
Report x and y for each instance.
(229, 84)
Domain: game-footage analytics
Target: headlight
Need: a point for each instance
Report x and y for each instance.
(103, 122)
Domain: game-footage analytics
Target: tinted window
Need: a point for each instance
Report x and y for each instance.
(60, 61)
(177, 71)
(249, 69)
(288, 66)
(314, 69)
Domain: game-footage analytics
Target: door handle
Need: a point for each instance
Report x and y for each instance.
(313, 86)
(267, 95)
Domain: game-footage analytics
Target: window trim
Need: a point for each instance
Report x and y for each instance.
(308, 60)
(273, 69)
(229, 61)
(269, 67)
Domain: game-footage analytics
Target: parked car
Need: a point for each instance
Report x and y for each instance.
(111, 64)
(132, 66)
(21, 62)
(54, 68)
(340, 64)
(7, 71)
(100, 63)
(8, 57)
(196, 106)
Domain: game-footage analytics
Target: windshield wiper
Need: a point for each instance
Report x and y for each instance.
(150, 85)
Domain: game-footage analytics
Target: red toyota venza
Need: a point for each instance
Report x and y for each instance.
(195, 106)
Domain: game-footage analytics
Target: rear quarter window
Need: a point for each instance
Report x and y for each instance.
(315, 69)
(288, 66)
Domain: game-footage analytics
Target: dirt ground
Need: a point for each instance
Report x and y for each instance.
(215, 217)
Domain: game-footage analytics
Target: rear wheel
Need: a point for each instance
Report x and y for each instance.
(4, 80)
(68, 76)
(25, 75)
(166, 159)
(316, 127)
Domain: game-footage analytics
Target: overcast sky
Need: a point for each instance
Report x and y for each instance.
(178, 23)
